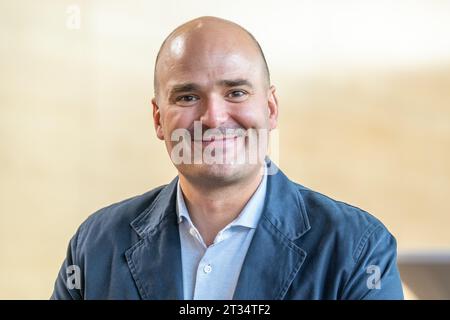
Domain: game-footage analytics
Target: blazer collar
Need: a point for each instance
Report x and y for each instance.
(284, 206)
(164, 205)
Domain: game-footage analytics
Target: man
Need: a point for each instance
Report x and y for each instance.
(221, 229)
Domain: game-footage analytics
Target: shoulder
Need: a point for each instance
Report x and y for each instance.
(340, 223)
(350, 247)
(112, 223)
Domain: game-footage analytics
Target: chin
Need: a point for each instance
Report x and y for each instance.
(216, 174)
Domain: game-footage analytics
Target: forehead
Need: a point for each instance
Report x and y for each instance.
(208, 59)
(209, 69)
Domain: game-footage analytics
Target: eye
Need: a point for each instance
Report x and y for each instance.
(237, 95)
(186, 99)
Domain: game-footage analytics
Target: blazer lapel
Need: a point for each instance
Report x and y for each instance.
(155, 261)
(273, 258)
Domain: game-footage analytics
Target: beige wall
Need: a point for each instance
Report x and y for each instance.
(364, 114)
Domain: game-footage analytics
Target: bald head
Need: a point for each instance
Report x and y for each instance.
(207, 33)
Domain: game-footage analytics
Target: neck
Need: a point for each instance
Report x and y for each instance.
(212, 208)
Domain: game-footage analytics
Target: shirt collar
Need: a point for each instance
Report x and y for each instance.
(250, 214)
(182, 210)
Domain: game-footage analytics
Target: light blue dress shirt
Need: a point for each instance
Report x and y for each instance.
(212, 272)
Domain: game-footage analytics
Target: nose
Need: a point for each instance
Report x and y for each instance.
(214, 112)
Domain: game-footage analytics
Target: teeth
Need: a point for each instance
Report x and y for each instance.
(213, 138)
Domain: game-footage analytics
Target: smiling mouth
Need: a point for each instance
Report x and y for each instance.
(219, 140)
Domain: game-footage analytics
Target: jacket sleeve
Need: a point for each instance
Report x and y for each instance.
(375, 275)
(69, 280)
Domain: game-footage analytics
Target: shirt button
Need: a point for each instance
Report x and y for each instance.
(207, 268)
(193, 232)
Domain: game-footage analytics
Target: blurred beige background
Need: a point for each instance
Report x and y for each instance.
(364, 90)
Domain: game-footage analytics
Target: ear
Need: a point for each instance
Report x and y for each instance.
(157, 120)
(273, 108)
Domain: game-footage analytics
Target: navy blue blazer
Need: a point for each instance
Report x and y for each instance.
(306, 246)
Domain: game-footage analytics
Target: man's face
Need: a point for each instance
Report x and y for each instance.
(213, 84)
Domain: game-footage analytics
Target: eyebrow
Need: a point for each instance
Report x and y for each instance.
(186, 87)
(235, 83)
